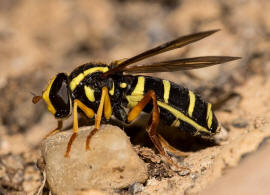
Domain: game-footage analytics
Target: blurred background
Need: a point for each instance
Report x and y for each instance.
(41, 38)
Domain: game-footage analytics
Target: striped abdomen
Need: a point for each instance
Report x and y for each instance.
(179, 107)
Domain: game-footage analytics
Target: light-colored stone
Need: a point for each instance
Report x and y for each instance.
(111, 162)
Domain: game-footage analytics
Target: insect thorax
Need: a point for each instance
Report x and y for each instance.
(85, 83)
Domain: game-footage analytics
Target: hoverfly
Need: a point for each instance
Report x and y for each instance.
(101, 90)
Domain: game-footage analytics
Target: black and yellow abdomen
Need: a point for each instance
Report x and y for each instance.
(179, 107)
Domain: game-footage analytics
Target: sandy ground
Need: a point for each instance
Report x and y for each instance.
(41, 38)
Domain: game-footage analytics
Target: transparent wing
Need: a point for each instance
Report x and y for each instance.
(174, 44)
(179, 64)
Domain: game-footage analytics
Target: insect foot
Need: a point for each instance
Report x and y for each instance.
(110, 164)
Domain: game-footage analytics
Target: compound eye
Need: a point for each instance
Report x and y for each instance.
(60, 96)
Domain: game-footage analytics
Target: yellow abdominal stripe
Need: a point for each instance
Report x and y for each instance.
(76, 81)
(137, 93)
(46, 98)
(209, 116)
(167, 87)
(191, 103)
(181, 116)
(139, 89)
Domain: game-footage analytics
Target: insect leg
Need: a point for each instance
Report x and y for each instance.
(170, 148)
(89, 113)
(105, 104)
(56, 130)
(153, 122)
(75, 127)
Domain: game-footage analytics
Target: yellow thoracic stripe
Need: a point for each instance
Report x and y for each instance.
(112, 90)
(167, 87)
(45, 96)
(137, 94)
(182, 117)
(209, 116)
(191, 103)
(76, 81)
(90, 93)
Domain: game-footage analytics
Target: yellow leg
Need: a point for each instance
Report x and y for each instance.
(56, 130)
(170, 148)
(89, 113)
(106, 105)
(75, 128)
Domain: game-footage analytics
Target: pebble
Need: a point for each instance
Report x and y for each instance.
(240, 123)
(221, 136)
(135, 188)
(111, 162)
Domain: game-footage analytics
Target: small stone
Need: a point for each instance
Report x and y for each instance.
(31, 178)
(194, 176)
(240, 123)
(184, 172)
(111, 162)
(221, 136)
(135, 188)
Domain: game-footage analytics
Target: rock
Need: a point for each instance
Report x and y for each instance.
(111, 163)
(240, 123)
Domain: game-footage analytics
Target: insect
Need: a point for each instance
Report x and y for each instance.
(101, 90)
